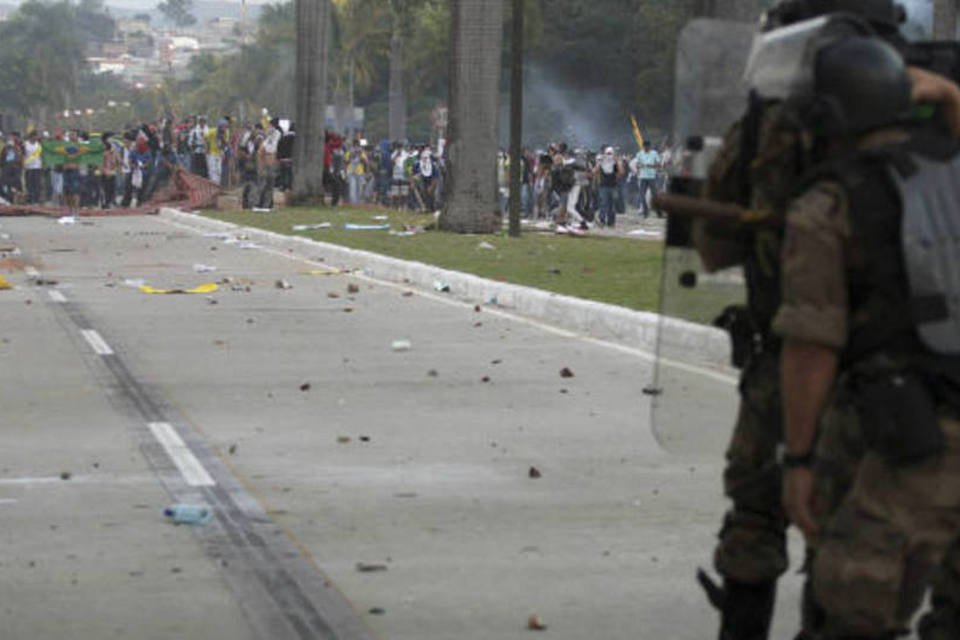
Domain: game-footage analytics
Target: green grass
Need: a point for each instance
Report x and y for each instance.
(618, 271)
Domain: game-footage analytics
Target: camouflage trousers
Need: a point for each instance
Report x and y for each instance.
(752, 547)
(888, 532)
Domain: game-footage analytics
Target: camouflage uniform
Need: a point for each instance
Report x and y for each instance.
(887, 526)
(751, 553)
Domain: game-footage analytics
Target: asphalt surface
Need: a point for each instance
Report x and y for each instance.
(360, 488)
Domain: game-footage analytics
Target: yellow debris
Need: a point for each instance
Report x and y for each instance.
(210, 287)
(5, 284)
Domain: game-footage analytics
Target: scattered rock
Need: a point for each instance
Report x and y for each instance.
(376, 611)
(652, 391)
(477, 325)
(175, 570)
(432, 373)
(65, 475)
(305, 386)
(485, 379)
(535, 623)
(332, 295)
(564, 391)
(476, 308)
(343, 439)
(352, 288)
(401, 345)
(348, 309)
(249, 320)
(283, 284)
(496, 362)
(212, 300)
(535, 473)
(407, 294)
(566, 373)
(364, 438)
(363, 567)
(232, 450)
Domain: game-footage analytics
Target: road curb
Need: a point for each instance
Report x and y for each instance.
(684, 341)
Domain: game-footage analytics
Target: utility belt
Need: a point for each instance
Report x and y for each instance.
(747, 338)
(899, 405)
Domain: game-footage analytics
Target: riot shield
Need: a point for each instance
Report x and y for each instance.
(694, 399)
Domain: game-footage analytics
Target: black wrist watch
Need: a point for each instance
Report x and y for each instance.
(791, 461)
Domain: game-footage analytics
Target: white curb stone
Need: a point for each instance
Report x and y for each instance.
(686, 341)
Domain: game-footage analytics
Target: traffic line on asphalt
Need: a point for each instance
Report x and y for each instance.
(190, 468)
(96, 342)
(56, 296)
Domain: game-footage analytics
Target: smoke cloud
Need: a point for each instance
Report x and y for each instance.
(919, 18)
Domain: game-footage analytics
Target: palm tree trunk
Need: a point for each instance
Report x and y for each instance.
(476, 35)
(516, 117)
(311, 79)
(740, 10)
(397, 97)
(944, 19)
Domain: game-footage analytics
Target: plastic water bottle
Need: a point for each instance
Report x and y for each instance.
(188, 514)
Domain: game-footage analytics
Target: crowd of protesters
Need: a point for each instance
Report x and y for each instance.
(575, 188)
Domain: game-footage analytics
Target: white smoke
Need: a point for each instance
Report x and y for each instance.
(919, 18)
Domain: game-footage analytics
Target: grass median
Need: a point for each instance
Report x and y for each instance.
(614, 270)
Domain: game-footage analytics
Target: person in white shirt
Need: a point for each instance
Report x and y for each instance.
(648, 162)
(33, 167)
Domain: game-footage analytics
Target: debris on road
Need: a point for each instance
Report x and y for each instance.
(366, 227)
(485, 379)
(283, 284)
(209, 287)
(401, 345)
(566, 373)
(305, 386)
(535, 623)
(65, 475)
(233, 449)
(407, 294)
(311, 227)
(363, 567)
(5, 284)
(441, 286)
(344, 439)
(432, 373)
(376, 611)
(353, 288)
(67, 220)
(188, 514)
(364, 438)
(348, 309)
(203, 268)
(486, 246)
(534, 473)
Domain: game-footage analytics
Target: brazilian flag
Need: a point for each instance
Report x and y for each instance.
(73, 152)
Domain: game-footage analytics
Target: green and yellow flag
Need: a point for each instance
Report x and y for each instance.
(637, 134)
(63, 152)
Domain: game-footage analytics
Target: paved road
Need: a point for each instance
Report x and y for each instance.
(319, 447)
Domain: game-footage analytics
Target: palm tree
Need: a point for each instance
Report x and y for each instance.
(311, 79)
(476, 36)
(944, 19)
(740, 10)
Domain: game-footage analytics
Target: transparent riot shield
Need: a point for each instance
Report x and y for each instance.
(694, 395)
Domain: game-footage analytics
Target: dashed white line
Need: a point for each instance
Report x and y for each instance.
(56, 296)
(96, 342)
(190, 468)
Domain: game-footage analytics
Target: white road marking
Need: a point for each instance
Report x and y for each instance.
(96, 342)
(190, 468)
(31, 271)
(56, 296)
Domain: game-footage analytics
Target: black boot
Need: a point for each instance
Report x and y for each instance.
(746, 610)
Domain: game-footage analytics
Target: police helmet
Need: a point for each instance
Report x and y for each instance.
(886, 16)
(860, 83)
